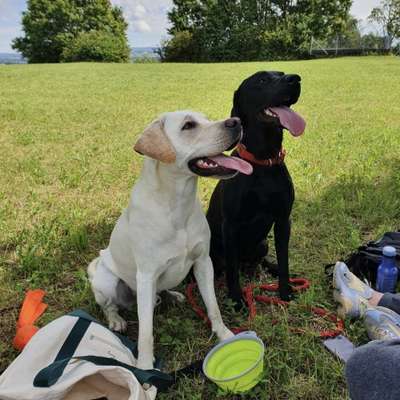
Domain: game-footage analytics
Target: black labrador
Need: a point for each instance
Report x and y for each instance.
(243, 209)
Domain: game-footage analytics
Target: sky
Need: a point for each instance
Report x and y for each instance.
(147, 19)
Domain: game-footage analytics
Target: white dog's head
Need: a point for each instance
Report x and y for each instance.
(194, 144)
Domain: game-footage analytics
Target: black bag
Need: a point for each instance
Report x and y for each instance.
(364, 262)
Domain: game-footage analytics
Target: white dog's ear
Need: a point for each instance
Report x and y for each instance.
(154, 143)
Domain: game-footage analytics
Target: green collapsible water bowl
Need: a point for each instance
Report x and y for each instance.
(236, 364)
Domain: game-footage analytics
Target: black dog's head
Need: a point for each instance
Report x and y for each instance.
(262, 102)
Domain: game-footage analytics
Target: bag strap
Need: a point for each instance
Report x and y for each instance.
(73, 339)
(190, 370)
(65, 354)
(49, 375)
(132, 346)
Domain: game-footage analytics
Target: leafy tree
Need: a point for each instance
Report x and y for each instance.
(237, 30)
(388, 16)
(96, 46)
(50, 25)
(373, 41)
(351, 35)
(180, 48)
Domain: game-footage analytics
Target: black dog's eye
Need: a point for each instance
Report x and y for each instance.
(189, 125)
(263, 80)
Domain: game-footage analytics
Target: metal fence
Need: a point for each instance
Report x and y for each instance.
(338, 48)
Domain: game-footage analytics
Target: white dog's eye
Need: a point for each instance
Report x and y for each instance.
(189, 125)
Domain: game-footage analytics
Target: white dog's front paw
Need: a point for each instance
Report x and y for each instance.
(144, 364)
(151, 391)
(117, 323)
(225, 334)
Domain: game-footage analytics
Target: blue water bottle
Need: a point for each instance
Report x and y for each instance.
(387, 271)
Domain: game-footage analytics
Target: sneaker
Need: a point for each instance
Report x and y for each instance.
(382, 323)
(350, 292)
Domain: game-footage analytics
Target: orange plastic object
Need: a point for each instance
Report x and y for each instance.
(32, 309)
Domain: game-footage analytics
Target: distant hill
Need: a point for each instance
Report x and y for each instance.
(137, 52)
(11, 58)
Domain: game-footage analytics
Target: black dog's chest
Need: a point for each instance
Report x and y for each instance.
(270, 196)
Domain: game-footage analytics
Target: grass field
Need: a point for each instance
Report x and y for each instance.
(67, 166)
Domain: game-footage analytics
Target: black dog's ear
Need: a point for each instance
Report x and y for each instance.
(236, 108)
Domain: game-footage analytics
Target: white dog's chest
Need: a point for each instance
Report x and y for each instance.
(177, 268)
(169, 260)
(161, 243)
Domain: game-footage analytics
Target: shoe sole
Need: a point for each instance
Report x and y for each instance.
(380, 321)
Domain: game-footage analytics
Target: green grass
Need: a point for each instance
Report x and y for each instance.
(67, 166)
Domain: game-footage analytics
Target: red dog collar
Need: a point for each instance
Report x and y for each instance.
(269, 162)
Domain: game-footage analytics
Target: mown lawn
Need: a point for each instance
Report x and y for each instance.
(67, 166)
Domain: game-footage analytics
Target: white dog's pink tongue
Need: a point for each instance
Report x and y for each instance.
(290, 120)
(235, 163)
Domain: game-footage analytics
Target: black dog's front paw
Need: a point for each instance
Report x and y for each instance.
(271, 267)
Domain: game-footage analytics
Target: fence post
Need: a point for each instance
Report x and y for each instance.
(337, 45)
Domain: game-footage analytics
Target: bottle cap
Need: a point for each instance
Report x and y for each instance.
(389, 251)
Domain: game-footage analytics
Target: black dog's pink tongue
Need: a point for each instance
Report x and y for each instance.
(289, 119)
(235, 163)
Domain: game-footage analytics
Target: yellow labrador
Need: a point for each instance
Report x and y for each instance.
(163, 232)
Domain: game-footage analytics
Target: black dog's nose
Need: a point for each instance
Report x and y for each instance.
(232, 122)
(291, 79)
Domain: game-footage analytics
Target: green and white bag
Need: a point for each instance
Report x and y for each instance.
(77, 358)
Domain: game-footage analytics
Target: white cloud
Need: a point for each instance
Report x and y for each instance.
(147, 19)
(139, 11)
(141, 26)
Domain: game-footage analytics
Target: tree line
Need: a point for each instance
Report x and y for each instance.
(200, 30)
(246, 30)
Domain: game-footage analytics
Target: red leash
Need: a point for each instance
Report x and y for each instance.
(299, 284)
